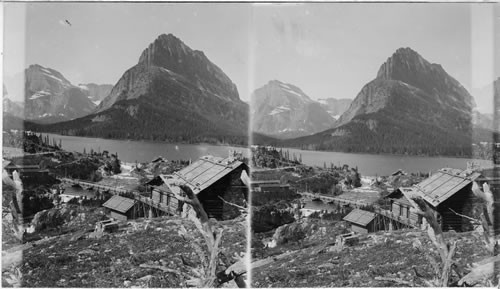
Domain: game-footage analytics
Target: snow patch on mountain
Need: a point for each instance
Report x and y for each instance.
(323, 101)
(280, 109)
(332, 114)
(56, 78)
(39, 94)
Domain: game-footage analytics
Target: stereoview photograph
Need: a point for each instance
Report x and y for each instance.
(174, 145)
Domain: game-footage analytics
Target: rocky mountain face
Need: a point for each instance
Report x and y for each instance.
(10, 107)
(169, 57)
(284, 110)
(482, 115)
(335, 107)
(13, 108)
(411, 107)
(96, 92)
(482, 120)
(174, 93)
(50, 97)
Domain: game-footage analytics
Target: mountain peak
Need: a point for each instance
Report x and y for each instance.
(275, 81)
(403, 61)
(286, 86)
(168, 36)
(32, 66)
(409, 67)
(284, 110)
(169, 52)
(41, 78)
(50, 97)
(406, 51)
(164, 48)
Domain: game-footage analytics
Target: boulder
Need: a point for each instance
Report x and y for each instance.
(293, 232)
(268, 217)
(52, 218)
(87, 252)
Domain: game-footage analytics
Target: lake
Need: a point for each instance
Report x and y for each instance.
(144, 151)
(368, 164)
(382, 165)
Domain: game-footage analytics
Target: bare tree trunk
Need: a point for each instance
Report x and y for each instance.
(446, 251)
(204, 276)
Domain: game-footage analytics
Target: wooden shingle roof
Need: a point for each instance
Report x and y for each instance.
(444, 184)
(119, 204)
(202, 173)
(360, 217)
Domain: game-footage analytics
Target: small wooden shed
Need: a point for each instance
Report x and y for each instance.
(121, 208)
(361, 221)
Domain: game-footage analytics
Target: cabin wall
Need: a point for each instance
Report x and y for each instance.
(463, 202)
(133, 213)
(232, 190)
(117, 215)
(359, 229)
(405, 212)
(156, 195)
(167, 199)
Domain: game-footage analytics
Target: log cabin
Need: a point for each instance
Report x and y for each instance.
(216, 182)
(448, 192)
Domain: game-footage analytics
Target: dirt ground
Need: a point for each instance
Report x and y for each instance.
(384, 255)
(114, 260)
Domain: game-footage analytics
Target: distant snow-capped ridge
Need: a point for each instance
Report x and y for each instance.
(50, 97)
(284, 110)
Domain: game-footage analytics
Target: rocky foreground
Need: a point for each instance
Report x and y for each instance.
(382, 259)
(143, 253)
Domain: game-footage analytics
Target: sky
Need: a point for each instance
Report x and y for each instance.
(326, 49)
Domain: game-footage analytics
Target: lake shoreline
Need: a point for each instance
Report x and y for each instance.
(382, 164)
(143, 150)
(368, 164)
(144, 140)
(385, 154)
